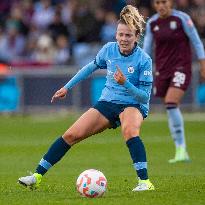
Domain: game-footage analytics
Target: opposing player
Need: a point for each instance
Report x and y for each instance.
(124, 100)
(171, 31)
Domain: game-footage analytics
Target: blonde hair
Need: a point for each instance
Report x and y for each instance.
(132, 18)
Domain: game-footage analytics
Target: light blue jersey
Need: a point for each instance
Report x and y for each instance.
(137, 68)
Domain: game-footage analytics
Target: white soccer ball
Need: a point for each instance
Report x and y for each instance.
(91, 183)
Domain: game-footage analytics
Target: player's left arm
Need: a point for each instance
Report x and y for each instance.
(143, 91)
(193, 35)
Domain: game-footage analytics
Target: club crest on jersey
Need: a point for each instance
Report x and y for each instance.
(130, 69)
(173, 25)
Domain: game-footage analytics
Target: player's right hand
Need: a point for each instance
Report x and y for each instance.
(60, 94)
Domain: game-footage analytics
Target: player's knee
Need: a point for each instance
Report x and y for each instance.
(129, 132)
(71, 137)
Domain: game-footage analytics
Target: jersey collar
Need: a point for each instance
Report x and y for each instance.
(133, 50)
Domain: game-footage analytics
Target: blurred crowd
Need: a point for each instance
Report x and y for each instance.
(49, 32)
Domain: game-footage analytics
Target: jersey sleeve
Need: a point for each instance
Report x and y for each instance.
(193, 35)
(81, 75)
(100, 58)
(145, 76)
(148, 39)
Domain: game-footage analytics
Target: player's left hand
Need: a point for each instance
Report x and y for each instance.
(203, 73)
(119, 76)
(202, 68)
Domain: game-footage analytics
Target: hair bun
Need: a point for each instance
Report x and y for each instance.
(132, 18)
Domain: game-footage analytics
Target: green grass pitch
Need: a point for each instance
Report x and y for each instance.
(23, 141)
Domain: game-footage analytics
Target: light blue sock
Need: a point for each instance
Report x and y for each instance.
(176, 126)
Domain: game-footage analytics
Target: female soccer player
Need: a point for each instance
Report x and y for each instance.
(172, 32)
(124, 100)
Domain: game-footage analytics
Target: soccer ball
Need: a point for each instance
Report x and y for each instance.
(91, 183)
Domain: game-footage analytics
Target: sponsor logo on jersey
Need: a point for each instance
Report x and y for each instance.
(173, 25)
(130, 69)
(147, 72)
(156, 28)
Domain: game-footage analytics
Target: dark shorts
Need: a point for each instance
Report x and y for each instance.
(112, 111)
(178, 79)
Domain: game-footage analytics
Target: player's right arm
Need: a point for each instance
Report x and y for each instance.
(148, 39)
(82, 74)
